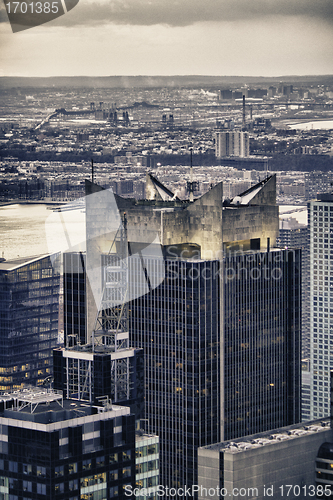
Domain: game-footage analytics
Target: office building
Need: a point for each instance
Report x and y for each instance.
(146, 464)
(102, 364)
(324, 470)
(88, 373)
(306, 390)
(294, 461)
(320, 214)
(292, 234)
(61, 449)
(217, 315)
(231, 143)
(286, 462)
(74, 280)
(29, 311)
(190, 398)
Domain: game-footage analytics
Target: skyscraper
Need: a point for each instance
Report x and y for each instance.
(220, 326)
(232, 143)
(320, 214)
(29, 310)
(292, 234)
(74, 279)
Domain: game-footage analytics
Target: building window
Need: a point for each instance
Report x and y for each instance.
(73, 485)
(113, 475)
(92, 480)
(152, 465)
(140, 468)
(41, 471)
(12, 466)
(86, 465)
(114, 492)
(59, 488)
(152, 481)
(113, 458)
(27, 486)
(141, 452)
(72, 468)
(59, 471)
(27, 469)
(127, 472)
(152, 449)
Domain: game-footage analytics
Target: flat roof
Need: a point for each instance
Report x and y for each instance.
(271, 437)
(45, 408)
(11, 264)
(140, 439)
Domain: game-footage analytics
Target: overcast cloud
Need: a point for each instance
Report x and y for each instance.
(160, 37)
(188, 12)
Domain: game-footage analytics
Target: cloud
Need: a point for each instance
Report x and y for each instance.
(188, 12)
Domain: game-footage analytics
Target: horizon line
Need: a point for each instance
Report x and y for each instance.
(173, 76)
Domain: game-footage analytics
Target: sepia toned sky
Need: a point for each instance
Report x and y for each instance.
(175, 37)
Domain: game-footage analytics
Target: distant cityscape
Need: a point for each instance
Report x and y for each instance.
(166, 288)
(50, 135)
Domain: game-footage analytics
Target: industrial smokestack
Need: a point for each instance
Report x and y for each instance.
(243, 110)
(191, 180)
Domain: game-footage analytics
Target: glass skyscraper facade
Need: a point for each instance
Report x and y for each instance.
(29, 311)
(294, 235)
(320, 214)
(177, 325)
(211, 376)
(74, 298)
(262, 341)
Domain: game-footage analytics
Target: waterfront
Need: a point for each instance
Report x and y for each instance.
(32, 229)
(313, 125)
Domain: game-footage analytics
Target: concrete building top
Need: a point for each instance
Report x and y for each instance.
(46, 409)
(12, 264)
(271, 437)
(143, 438)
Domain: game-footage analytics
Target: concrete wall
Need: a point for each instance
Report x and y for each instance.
(289, 462)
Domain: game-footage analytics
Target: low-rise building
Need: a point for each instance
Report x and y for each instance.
(61, 449)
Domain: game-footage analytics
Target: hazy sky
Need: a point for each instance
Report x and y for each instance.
(175, 37)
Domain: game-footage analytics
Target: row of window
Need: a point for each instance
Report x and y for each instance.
(143, 451)
(146, 466)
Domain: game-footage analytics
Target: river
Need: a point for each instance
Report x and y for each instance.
(314, 125)
(32, 229)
